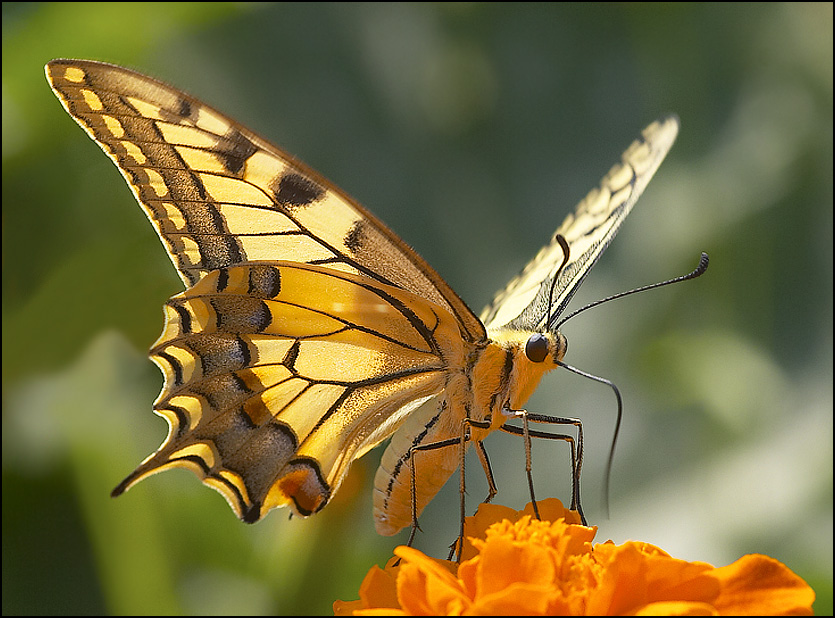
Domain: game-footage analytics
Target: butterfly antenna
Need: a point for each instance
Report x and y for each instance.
(614, 388)
(566, 252)
(698, 272)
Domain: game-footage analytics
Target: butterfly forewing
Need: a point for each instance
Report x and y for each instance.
(527, 301)
(219, 195)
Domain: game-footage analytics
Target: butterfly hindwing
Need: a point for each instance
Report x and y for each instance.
(279, 374)
(527, 301)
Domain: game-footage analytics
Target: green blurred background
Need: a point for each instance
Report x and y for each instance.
(472, 130)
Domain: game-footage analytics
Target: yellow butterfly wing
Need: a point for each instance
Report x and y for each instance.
(309, 331)
(528, 299)
(219, 195)
(279, 374)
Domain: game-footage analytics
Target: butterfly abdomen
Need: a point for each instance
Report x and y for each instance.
(393, 481)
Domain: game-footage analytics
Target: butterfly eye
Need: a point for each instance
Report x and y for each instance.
(536, 349)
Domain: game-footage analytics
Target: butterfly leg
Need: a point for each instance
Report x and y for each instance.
(466, 424)
(488, 472)
(462, 441)
(413, 478)
(576, 450)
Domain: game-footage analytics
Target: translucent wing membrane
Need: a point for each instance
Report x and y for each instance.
(524, 303)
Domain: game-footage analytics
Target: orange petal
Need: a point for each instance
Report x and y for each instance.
(759, 585)
(517, 600)
(346, 608)
(620, 589)
(377, 590)
(552, 509)
(476, 526)
(426, 587)
(504, 562)
(676, 608)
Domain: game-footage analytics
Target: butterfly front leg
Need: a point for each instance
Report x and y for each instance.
(488, 472)
(576, 449)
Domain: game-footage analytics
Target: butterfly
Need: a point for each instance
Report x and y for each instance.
(308, 332)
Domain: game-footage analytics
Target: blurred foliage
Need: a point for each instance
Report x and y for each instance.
(472, 129)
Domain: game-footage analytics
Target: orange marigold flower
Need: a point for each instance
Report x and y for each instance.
(514, 564)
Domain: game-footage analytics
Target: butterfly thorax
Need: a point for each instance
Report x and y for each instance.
(508, 373)
(498, 376)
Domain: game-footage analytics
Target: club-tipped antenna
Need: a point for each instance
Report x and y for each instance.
(698, 272)
(566, 251)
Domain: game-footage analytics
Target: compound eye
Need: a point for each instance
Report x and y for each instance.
(536, 349)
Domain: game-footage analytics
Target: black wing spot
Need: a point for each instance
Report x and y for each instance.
(234, 150)
(176, 113)
(295, 190)
(355, 238)
(241, 314)
(220, 353)
(174, 364)
(264, 281)
(222, 279)
(252, 514)
(185, 317)
(223, 392)
(185, 110)
(291, 356)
